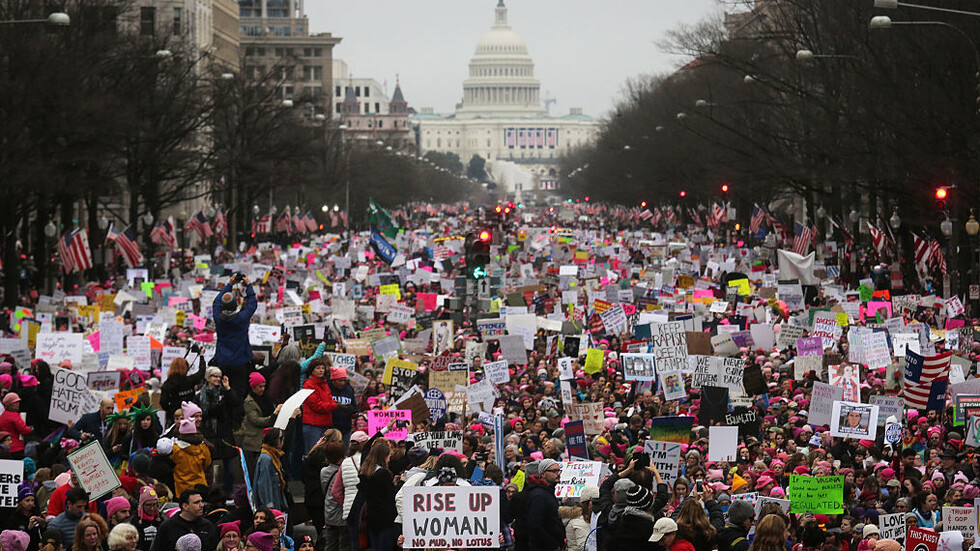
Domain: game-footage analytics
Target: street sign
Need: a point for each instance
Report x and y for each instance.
(483, 288)
(974, 292)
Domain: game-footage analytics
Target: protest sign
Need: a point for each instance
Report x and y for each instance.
(107, 381)
(437, 404)
(446, 440)
(346, 361)
(704, 371)
(446, 381)
(442, 336)
(848, 378)
(731, 372)
(783, 504)
(289, 406)
(93, 471)
(591, 414)
(672, 429)
(822, 402)
(788, 335)
(575, 437)
(672, 384)
(818, 495)
(722, 443)
(888, 406)
(399, 375)
(126, 398)
(378, 419)
(638, 367)
(859, 421)
(959, 519)
(918, 539)
(55, 347)
(70, 397)
(11, 475)
(891, 526)
(444, 517)
(666, 457)
(575, 475)
(496, 372)
(668, 344)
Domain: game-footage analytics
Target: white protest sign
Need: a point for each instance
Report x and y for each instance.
(346, 361)
(859, 421)
(783, 504)
(888, 406)
(289, 406)
(575, 475)
(822, 402)
(891, 526)
(497, 372)
(566, 367)
(446, 440)
(666, 457)
(139, 349)
(451, 517)
(11, 475)
(259, 334)
(70, 396)
(92, 468)
(722, 443)
(55, 347)
(704, 370)
(103, 381)
(959, 519)
(668, 344)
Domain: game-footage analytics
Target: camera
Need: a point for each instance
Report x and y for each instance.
(700, 485)
(401, 423)
(642, 460)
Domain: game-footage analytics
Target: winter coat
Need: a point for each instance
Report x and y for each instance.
(190, 460)
(681, 544)
(576, 528)
(333, 512)
(632, 529)
(732, 538)
(265, 484)
(544, 527)
(177, 389)
(232, 346)
(413, 477)
(379, 498)
(11, 422)
(342, 417)
(318, 407)
(253, 424)
(348, 472)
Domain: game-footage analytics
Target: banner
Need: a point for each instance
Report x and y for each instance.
(575, 436)
(666, 457)
(796, 266)
(451, 516)
(93, 471)
(70, 397)
(817, 495)
(378, 419)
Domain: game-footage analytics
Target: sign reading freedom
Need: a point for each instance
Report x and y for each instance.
(821, 495)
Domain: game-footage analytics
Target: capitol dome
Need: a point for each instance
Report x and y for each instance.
(501, 79)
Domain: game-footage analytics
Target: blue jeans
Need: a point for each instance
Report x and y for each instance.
(311, 435)
(384, 539)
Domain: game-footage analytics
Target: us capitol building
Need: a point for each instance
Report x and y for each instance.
(501, 117)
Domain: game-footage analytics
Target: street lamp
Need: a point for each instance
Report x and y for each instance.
(255, 210)
(972, 227)
(895, 221)
(164, 54)
(58, 19)
(324, 208)
(895, 4)
(103, 222)
(681, 116)
(50, 229)
(946, 227)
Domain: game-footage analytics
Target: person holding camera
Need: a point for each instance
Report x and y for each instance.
(233, 354)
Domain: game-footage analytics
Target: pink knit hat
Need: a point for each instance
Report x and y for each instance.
(255, 379)
(190, 409)
(14, 540)
(114, 505)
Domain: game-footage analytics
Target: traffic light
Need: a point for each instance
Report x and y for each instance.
(724, 188)
(478, 253)
(941, 194)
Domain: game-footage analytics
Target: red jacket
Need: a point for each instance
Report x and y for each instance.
(11, 422)
(318, 407)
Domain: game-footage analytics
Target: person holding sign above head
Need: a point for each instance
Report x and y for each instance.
(233, 353)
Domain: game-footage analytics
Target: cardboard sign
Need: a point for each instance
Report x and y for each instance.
(496, 372)
(103, 381)
(722, 443)
(859, 421)
(398, 375)
(126, 398)
(591, 414)
(959, 519)
(446, 440)
(638, 367)
(92, 468)
(11, 475)
(378, 419)
(575, 437)
(55, 347)
(818, 495)
(289, 406)
(666, 457)
(70, 397)
(451, 517)
(918, 539)
(668, 344)
(575, 475)
(892, 526)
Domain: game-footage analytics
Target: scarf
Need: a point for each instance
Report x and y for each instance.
(275, 453)
(264, 403)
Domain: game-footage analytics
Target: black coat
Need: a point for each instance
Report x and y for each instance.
(546, 532)
(631, 531)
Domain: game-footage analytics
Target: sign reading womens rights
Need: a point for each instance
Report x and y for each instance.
(378, 419)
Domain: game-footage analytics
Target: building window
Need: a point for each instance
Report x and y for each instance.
(338, 91)
(287, 73)
(367, 91)
(314, 93)
(312, 73)
(357, 91)
(367, 108)
(252, 30)
(148, 17)
(178, 13)
(338, 108)
(377, 106)
(381, 124)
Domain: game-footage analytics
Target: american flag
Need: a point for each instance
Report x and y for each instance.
(803, 236)
(74, 251)
(758, 218)
(199, 224)
(164, 234)
(922, 253)
(926, 380)
(284, 223)
(264, 225)
(694, 215)
(878, 239)
(936, 254)
(220, 224)
(842, 227)
(126, 241)
(657, 216)
(645, 214)
(720, 214)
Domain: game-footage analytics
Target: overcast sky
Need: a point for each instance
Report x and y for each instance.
(583, 50)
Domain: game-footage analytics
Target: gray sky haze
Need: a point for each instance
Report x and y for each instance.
(583, 50)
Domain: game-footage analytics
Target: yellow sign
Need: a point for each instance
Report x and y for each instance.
(744, 288)
(518, 481)
(107, 303)
(391, 289)
(842, 319)
(390, 366)
(89, 312)
(593, 361)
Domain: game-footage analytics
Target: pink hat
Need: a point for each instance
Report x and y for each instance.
(11, 398)
(29, 380)
(777, 492)
(14, 540)
(763, 481)
(147, 495)
(187, 426)
(114, 505)
(337, 373)
(6, 380)
(255, 379)
(359, 436)
(190, 409)
(277, 514)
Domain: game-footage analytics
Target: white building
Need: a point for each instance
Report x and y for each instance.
(372, 96)
(501, 117)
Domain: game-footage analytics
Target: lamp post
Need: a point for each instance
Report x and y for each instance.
(343, 139)
(972, 228)
(56, 19)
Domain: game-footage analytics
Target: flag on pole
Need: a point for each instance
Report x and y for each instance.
(199, 225)
(803, 236)
(758, 218)
(380, 219)
(164, 233)
(878, 239)
(126, 240)
(74, 251)
(264, 225)
(284, 222)
(936, 256)
(926, 380)
(220, 224)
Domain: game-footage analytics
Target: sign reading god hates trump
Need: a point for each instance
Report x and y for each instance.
(451, 517)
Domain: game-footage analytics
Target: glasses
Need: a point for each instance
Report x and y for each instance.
(553, 470)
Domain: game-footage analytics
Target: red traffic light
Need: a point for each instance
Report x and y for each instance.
(941, 193)
(724, 188)
(683, 194)
(499, 209)
(643, 204)
(484, 236)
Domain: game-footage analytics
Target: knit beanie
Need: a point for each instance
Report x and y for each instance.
(14, 540)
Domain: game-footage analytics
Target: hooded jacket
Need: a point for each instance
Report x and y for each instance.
(190, 462)
(318, 407)
(576, 528)
(232, 346)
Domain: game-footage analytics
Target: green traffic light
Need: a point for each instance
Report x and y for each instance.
(479, 272)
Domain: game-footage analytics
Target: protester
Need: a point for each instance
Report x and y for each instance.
(260, 413)
(123, 537)
(232, 317)
(190, 520)
(319, 406)
(270, 480)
